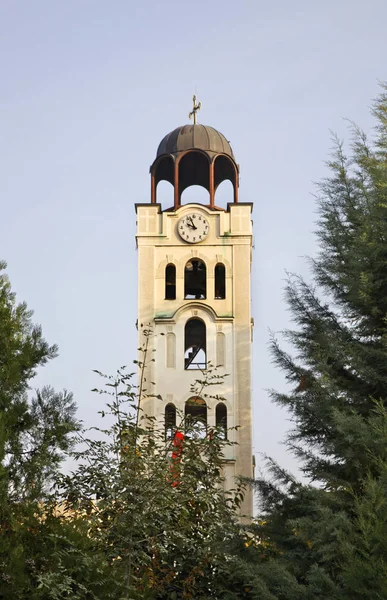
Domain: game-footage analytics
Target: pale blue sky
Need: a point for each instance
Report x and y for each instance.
(89, 88)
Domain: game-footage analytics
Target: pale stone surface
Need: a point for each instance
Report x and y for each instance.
(220, 349)
(227, 321)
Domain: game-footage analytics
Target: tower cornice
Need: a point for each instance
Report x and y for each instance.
(194, 306)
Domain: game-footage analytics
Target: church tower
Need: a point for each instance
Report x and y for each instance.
(194, 265)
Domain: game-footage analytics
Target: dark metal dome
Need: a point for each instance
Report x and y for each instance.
(194, 137)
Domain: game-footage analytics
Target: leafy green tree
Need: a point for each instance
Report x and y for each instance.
(332, 537)
(141, 517)
(155, 507)
(34, 436)
(146, 516)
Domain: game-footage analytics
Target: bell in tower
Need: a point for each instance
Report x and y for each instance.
(194, 263)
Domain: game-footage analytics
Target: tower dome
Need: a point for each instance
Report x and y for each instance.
(194, 155)
(195, 137)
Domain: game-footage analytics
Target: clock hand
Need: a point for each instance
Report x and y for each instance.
(192, 223)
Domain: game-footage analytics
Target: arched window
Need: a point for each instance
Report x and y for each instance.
(171, 351)
(195, 285)
(225, 169)
(196, 415)
(170, 421)
(195, 344)
(164, 194)
(220, 281)
(194, 169)
(221, 419)
(220, 349)
(195, 193)
(223, 195)
(170, 282)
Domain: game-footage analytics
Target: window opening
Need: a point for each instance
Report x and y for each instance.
(194, 169)
(195, 344)
(220, 281)
(170, 421)
(170, 282)
(221, 420)
(164, 191)
(196, 194)
(224, 191)
(196, 415)
(195, 279)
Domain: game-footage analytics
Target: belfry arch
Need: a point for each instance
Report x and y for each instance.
(221, 419)
(224, 194)
(170, 282)
(194, 193)
(195, 279)
(195, 344)
(220, 281)
(196, 415)
(170, 421)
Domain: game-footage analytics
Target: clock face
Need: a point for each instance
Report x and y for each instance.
(193, 228)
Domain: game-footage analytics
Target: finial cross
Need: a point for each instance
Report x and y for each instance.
(195, 109)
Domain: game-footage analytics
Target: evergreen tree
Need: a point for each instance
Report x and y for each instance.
(329, 535)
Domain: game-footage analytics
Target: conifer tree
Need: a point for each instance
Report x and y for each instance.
(329, 534)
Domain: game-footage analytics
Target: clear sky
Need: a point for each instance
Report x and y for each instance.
(89, 88)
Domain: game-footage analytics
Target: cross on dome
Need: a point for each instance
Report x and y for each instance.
(195, 109)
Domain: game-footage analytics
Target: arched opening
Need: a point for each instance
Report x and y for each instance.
(195, 344)
(164, 194)
(194, 169)
(195, 194)
(220, 281)
(195, 280)
(163, 169)
(221, 419)
(225, 170)
(224, 194)
(170, 421)
(170, 282)
(220, 349)
(171, 351)
(196, 415)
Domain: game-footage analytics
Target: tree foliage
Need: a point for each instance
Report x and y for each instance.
(156, 510)
(333, 536)
(144, 516)
(141, 516)
(35, 433)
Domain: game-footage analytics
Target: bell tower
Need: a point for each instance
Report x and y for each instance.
(194, 265)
